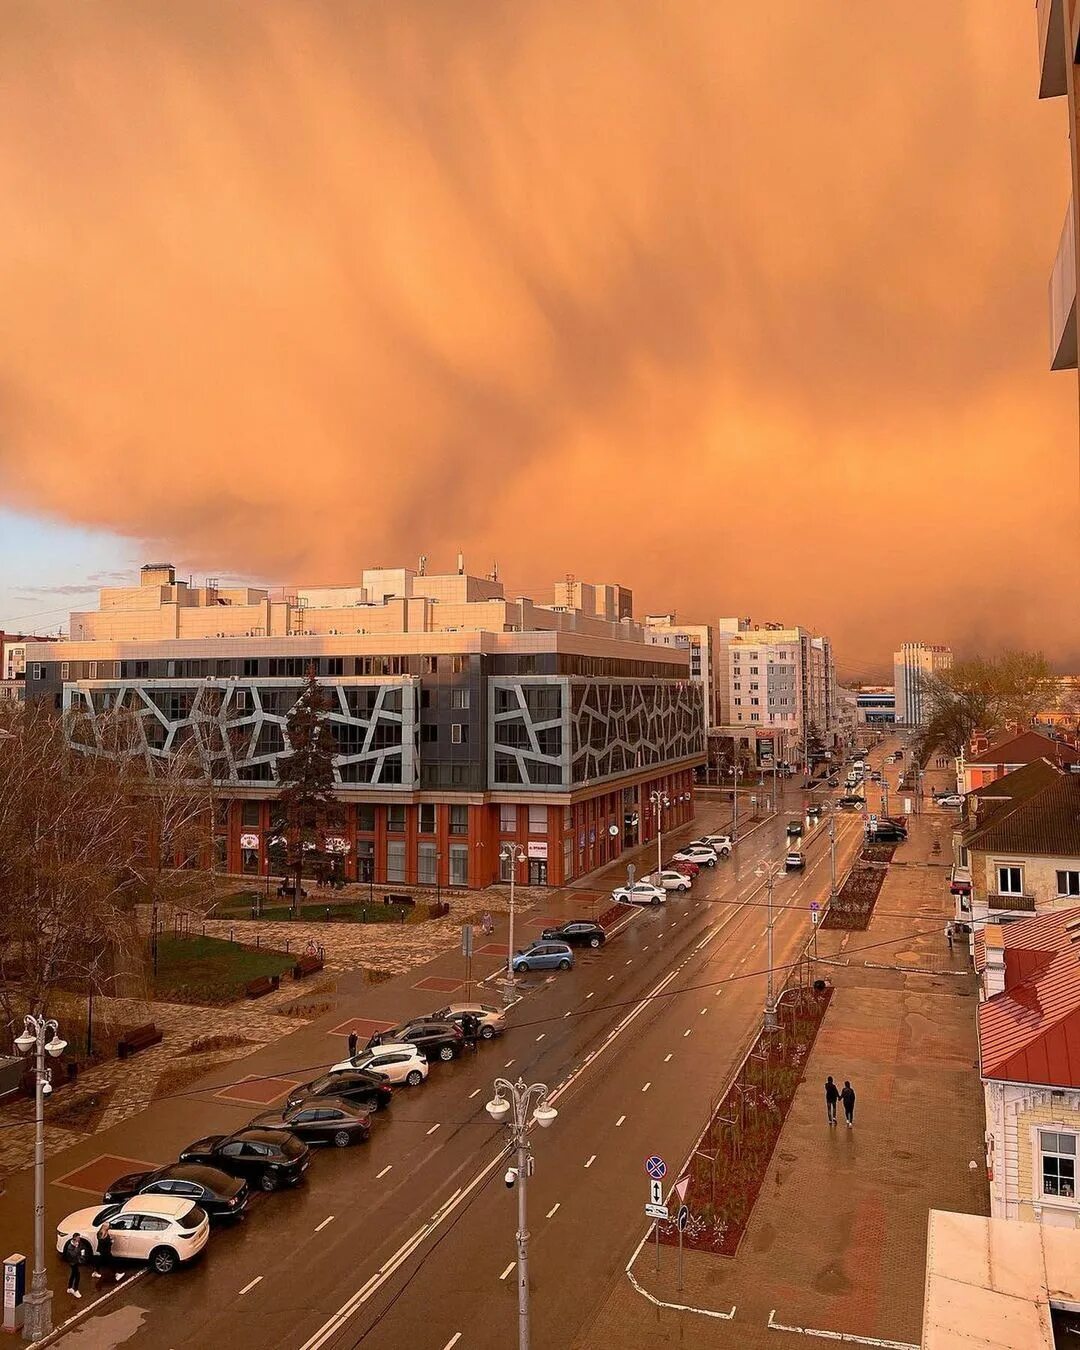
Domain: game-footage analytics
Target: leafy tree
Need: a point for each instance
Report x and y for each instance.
(306, 775)
(979, 693)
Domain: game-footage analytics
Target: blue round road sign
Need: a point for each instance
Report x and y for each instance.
(656, 1167)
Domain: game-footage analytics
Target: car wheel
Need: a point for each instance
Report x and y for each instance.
(487, 1033)
(164, 1260)
(342, 1139)
(446, 1053)
(267, 1182)
(564, 964)
(414, 1078)
(523, 966)
(655, 900)
(594, 942)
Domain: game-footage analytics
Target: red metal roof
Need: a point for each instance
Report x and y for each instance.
(1027, 746)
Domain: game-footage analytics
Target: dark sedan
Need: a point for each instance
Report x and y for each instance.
(851, 803)
(434, 1039)
(362, 1087)
(320, 1120)
(267, 1158)
(220, 1195)
(578, 932)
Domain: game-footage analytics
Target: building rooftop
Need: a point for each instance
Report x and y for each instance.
(1042, 815)
(1025, 747)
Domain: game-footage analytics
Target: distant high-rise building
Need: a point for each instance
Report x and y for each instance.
(697, 640)
(913, 665)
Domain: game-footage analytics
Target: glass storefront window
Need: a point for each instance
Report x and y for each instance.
(459, 864)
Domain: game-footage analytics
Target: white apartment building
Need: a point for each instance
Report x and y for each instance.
(913, 664)
(697, 640)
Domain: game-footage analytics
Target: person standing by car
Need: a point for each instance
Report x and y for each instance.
(105, 1262)
(354, 1041)
(76, 1253)
(470, 1026)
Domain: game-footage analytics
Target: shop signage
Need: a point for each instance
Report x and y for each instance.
(249, 841)
(537, 850)
(336, 843)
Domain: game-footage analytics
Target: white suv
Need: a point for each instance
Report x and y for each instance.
(397, 1061)
(641, 893)
(696, 853)
(160, 1229)
(720, 843)
(671, 881)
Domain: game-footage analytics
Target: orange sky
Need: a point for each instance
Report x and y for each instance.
(741, 305)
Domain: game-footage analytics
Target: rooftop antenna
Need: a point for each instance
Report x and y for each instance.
(423, 565)
(461, 563)
(494, 575)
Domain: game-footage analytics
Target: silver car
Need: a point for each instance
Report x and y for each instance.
(492, 1020)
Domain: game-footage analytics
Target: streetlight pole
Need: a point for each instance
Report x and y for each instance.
(37, 1321)
(659, 801)
(770, 870)
(513, 854)
(513, 1103)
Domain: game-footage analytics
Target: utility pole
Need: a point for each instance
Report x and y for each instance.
(832, 859)
(513, 854)
(659, 801)
(512, 1103)
(770, 870)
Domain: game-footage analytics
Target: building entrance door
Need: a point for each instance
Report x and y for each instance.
(537, 872)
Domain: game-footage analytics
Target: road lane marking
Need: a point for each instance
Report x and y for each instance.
(587, 996)
(507, 1271)
(619, 1121)
(644, 949)
(380, 1175)
(630, 962)
(686, 1032)
(592, 1159)
(703, 1012)
(666, 1058)
(508, 1063)
(647, 1086)
(474, 1094)
(452, 1341)
(611, 977)
(571, 1012)
(433, 1128)
(251, 1285)
(541, 1036)
(320, 1226)
(551, 1212)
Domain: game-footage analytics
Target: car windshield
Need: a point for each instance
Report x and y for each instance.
(105, 1213)
(192, 1219)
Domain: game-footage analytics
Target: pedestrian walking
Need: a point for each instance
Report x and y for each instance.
(832, 1096)
(848, 1098)
(105, 1262)
(354, 1041)
(488, 923)
(76, 1253)
(949, 935)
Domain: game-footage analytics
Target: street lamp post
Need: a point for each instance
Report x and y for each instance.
(735, 802)
(513, 854)
(659, 801)
(770, 870)
(37, 1321)
(513, 1104)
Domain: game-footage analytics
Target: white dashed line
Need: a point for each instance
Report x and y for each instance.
(541, 1036)
(718, 992)
(508, 1063)
(551, 1212)
(611, 977)
(647, 1086)
(666, 1058)
(644, 949)
(703, 1012)
(507, 1271)
(474, 1094)
(252, 1284)
(686, 1032)
(320, 1226)
(619, 1121)
(379, 1175)
(589, 995)
(592, 1159)
(452, 1341)
(433, 1129)
(630, 962)
(568, 1014)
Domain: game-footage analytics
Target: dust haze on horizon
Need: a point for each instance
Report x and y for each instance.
(743, 307)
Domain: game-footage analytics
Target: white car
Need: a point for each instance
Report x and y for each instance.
(641, 893)
(671, 881)
(695, 853)
(719, 843)
(163, 1230)
(950, 799)
(397, 1061)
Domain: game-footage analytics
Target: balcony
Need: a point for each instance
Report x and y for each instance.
(1063, 298)
(1011, 904)
(1053, 74)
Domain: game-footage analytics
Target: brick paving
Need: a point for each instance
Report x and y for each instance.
(837, 1240)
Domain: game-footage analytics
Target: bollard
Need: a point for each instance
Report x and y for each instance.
(286, 946)
(258, 940)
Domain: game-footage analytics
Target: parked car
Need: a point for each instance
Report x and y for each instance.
(399, 1061)
(544, 955)
(640, 893)
(320, 1120)
(950, 799)
(875, 777)
(721, 844)
(884, 833)
(219, 1194)
(492, 1020)
(813, 810)
(162, 1230)
(794, 829)
(578, 932)
(851, 802)
(268, 1158)
(434, 1039)
(362, 1087)
(834, 782)
(704, 857)
(794, 862)
(671, 880)
(689, 869)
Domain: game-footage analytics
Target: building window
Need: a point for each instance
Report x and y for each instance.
(395, 822)
(429, 665)
(755, 702)
(1010, 880)
(65, 670)
(738, 702)
(427, 817)
(250, 667)
(1058, 1163)
(459, 733)
(458, 664)
(459, 864)
(738, 685)
(335, 665)
(459, 820)
(753, 670)
(508, 819)
(538, 822)
(1068, 883)
(250, 814)
(241, 700)
(91, 671)
(426, 863)
(395, 860)
(365, 819)
(506, 859)
(964, 861)
(459, 698)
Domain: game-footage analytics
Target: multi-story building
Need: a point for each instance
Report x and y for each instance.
(913, 665)
(698, 641)
(986, 762)
(776, 690)
(462, 719)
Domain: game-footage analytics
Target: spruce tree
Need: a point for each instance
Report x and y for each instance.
(306, 776)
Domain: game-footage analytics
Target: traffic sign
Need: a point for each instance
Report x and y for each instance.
(656, 1192)
(656, 1167)
(814, 904)
(681, 1187)
(682, 1218)
(656, 1211)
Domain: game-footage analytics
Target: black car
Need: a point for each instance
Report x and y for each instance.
(851, 803)
(578, 932)
(834, 782)
(885, 834)
(362, 1087)
(813, 810)
(320, 1120)
(268, 1158)
(434, 1039)
(794, 829)
(220, 1195)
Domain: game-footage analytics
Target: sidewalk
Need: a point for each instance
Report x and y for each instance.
(837, 1241)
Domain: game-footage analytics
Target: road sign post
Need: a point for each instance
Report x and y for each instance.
(656, 1170)
(467, 952)
(682, 1219)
